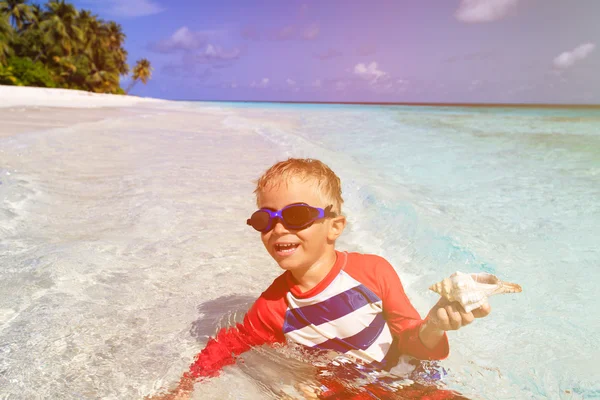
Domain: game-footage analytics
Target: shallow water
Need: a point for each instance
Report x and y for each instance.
(123, 242)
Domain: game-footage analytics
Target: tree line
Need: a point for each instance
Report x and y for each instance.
(58, 46)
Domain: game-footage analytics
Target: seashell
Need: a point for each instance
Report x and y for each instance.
(472, 290)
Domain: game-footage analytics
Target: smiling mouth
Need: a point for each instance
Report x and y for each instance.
(285, 248)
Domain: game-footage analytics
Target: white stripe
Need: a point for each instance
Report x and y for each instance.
(378, 350)
(343, 327)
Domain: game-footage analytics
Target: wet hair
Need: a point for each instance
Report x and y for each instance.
(327, 184)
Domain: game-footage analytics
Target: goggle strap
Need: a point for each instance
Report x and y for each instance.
(328, 212)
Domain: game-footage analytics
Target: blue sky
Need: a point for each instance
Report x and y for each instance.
(507, 51)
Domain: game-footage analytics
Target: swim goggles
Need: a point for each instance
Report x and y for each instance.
(294, 216)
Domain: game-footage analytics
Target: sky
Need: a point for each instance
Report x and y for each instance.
(448, 51)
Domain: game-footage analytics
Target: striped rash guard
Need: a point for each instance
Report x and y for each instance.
(359, 309)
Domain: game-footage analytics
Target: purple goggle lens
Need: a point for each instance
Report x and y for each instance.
(294, 216)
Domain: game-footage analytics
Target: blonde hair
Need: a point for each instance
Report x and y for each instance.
(328, 185)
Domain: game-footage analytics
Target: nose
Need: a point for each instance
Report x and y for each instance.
(278, 227)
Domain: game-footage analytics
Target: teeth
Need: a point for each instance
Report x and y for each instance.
(286, 246)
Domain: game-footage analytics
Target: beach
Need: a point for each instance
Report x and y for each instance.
(123, 242)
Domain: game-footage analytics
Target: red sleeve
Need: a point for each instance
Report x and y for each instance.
(403, 319)
(263, 324)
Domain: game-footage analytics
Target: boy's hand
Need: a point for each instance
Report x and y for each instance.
(446, 316)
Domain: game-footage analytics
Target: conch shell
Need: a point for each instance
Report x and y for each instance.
(472, 290)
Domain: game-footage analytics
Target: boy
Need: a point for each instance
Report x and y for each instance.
(326, 299)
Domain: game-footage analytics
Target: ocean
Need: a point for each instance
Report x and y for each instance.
(124, 247)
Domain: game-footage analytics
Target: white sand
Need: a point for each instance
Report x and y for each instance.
(31, 109)
(11, 96)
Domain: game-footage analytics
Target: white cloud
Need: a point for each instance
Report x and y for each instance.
(369, 72)
(569, 58)
(474, 11)
(317, 83)
(216, 53)
(312, 32)
(182, 39)
(134, 8)
(263, 83)
(211, 54)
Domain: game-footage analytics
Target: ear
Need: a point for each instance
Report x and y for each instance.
(336, 227)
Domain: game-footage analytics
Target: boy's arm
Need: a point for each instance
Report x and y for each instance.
(259, 327)
(406, 324)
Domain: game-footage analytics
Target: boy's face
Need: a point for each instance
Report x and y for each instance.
(312, 243)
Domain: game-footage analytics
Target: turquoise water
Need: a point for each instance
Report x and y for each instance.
(123, 242)
(514, 192)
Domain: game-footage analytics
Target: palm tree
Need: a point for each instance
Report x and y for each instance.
(103, 76)
(18, 11)
(5, 37)
(60, 28)
(30, 41)
(85, 21)
(37, 11)
(116, 36)
(37, 14)
(74, 49)
(116, 39)
(105, 59)
(142, 71)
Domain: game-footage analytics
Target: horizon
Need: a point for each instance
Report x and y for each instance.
(424, 104)
(459, 51)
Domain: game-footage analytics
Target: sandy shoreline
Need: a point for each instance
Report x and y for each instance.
(31, 109)
(27, 109)
(12, 96)
(16, 120)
